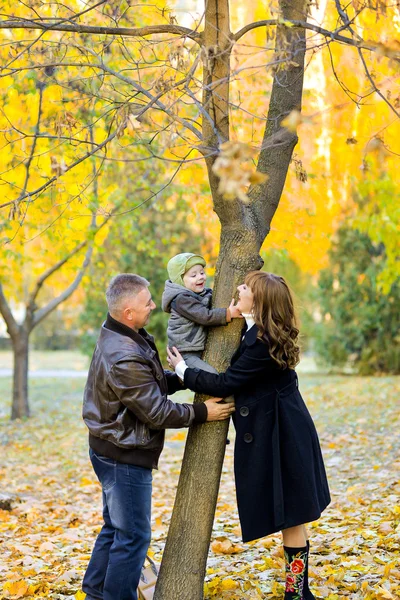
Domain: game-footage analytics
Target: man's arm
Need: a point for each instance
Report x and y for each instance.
(134, 384)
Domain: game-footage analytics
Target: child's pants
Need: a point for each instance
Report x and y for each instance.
(194, 361)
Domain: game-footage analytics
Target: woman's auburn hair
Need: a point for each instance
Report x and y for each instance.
(275, 317)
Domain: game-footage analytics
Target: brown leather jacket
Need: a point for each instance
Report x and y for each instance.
(125, 403)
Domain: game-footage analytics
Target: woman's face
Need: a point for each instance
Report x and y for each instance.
(246, 299)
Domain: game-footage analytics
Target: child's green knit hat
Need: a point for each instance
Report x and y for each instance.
(179, 264)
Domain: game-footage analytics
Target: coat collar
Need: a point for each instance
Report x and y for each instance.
(251, 336)
(141, 337)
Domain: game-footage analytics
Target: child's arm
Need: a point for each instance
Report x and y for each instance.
(192, 309)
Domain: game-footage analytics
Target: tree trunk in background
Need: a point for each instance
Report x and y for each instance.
(243, 230)
(20, 406)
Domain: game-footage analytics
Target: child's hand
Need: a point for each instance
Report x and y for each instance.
(234, 311)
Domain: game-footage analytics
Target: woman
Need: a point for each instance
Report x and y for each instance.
(279, 471)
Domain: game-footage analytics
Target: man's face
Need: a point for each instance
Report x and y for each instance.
(138, 309)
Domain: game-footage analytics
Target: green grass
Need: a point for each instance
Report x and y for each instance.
(59, 359)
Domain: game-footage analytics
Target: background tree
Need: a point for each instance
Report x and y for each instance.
(159, 232)
(360, 323)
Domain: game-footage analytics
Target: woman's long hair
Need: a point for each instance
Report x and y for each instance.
(275, 317)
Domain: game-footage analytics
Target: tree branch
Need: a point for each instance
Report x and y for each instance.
(50, 271)
(374, 86)
(122, 31)
(5, 310)
(40, 314)
(286, 96)
(334, 36)
(55, 177)
(193, 34)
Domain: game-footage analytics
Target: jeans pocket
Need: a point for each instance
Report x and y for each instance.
(105, 469)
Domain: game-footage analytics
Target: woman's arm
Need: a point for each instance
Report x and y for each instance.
(254, 361)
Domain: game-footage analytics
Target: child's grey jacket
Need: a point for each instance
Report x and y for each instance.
(190, 314)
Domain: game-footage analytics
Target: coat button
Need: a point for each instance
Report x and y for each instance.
(244, 411)
(248, 438)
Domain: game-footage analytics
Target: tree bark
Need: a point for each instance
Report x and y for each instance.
(20, 405)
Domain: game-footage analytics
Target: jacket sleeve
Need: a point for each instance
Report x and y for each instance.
(174, 382)
(192, 309)
(134, 384)
(254, 362)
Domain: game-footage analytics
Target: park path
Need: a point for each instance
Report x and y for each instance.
(47, 373)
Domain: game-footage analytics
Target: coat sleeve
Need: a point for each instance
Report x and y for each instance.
(174, 383)
(134, 384)
(254, 362)
(195, 311)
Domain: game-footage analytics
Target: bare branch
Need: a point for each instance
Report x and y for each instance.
(122, 31)
(51, 270)
(5, 310)
(55, 177)
(334, 36)
(40, 314)
(374, 86)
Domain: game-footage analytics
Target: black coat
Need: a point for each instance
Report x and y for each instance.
(279, 470)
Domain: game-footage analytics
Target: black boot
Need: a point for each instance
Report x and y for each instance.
(295, 570)
(308, 595)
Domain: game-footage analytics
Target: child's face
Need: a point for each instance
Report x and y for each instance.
(195, 279)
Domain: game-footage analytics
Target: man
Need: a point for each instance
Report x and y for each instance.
(126, 410)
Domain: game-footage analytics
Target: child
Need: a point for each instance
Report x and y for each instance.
(188, 301)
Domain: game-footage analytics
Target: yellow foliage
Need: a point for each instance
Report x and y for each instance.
(229, 584)
(17, 589)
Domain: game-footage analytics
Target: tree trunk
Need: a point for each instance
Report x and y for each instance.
(20, 406)
(243, 230)
(185, 556)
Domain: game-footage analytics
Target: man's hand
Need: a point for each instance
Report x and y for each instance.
(217, 410)
(234, 311)
(173, 357)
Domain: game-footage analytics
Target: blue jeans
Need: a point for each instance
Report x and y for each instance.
(121, 546)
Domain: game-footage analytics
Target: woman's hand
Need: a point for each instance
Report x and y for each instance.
(234, 311)
(217, 410)
(173, 357)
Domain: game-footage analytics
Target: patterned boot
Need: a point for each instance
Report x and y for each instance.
(308, 595)
(295, 570)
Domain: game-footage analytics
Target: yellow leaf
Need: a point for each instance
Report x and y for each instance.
(382, 594)
(229, 584)
(256, 178)
(224, 546)
(293, 120)
(17, 589)
(86, 481)
(80, 595)
(385, 527)
(178, 437)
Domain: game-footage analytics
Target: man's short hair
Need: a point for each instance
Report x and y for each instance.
(120, 287)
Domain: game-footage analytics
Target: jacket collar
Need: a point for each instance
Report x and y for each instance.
(251, 335)
(141, 337)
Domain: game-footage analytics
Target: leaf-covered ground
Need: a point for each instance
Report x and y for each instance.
(45, 541)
